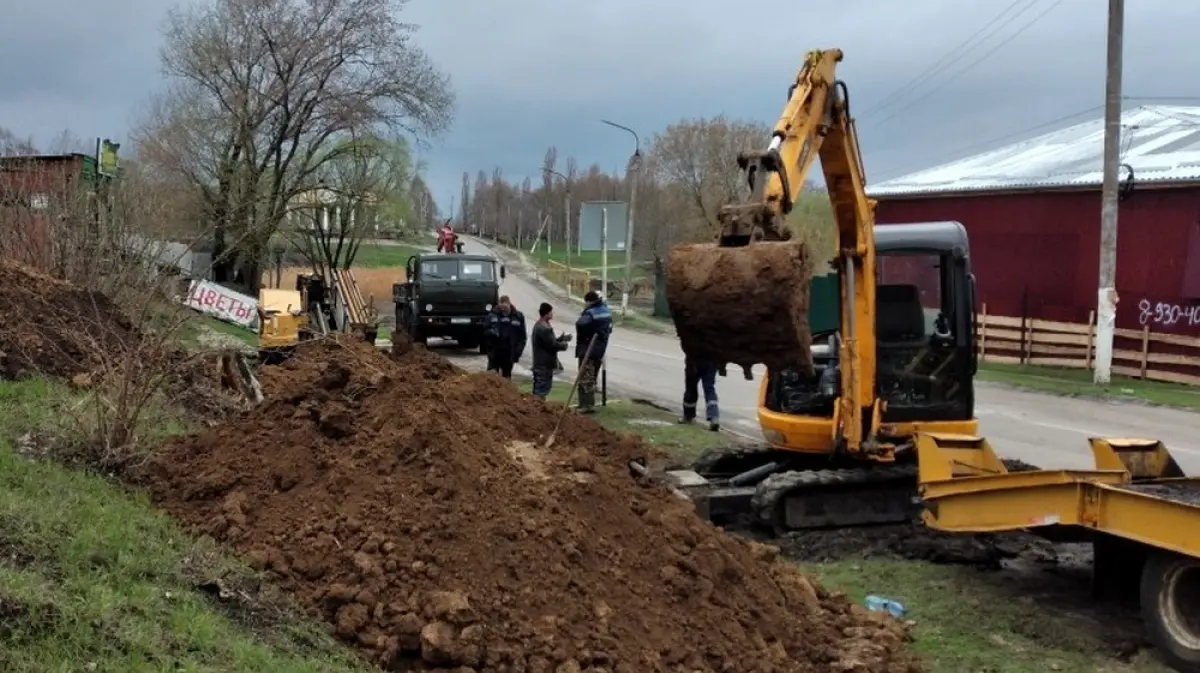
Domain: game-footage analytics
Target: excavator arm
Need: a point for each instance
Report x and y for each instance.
(816, 123)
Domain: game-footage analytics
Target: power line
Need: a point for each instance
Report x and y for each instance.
(948, 58)
(974, 63)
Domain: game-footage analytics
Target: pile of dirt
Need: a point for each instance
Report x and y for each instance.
(765, 285)
(415, 508)
(53, 328)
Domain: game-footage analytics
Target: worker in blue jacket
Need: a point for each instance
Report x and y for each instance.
(506, 337)
(595, 322)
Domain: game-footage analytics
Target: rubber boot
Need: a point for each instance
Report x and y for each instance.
(587, 402)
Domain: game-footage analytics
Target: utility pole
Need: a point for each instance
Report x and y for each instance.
(604, 253)
(631, 171)
(567, 210)
(1106, 309)
(566, 223)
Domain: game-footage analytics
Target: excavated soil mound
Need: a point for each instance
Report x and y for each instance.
(51, 327)
(763, 287)
(415, 508)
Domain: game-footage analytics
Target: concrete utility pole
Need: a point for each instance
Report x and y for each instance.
(566, 224)
(631, 171)
(604, 253)
(1106, 309)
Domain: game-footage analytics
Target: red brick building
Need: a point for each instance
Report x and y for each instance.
(35, 189)
(1032, 211)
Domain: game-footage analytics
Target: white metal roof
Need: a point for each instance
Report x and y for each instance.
(1161, 144)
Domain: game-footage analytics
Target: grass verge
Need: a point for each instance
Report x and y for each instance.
(93, 579)
(1078, 382)
(376, 255)
(971, 620)
(655, 425)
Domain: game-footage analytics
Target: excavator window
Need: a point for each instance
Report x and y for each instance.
(921, 361)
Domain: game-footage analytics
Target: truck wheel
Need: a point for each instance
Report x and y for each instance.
(1170, 596)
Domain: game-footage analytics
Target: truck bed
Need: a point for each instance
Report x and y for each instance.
(1137, 492)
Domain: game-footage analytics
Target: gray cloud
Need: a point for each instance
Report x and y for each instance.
(531, 73)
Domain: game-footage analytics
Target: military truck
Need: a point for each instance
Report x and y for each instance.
(448, 295)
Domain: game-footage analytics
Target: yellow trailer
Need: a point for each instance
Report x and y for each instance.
(1137, 507)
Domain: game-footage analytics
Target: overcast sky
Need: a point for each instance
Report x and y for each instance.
(532, 73)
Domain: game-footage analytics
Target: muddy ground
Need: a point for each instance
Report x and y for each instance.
(1049, 577)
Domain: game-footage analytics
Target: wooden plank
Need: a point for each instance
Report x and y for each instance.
(1056, 326)
(1152, 358)
(1067, 363)
(1176, 339)
(1072, 351)
(1004, 359)
(1145, 350)
(1004, 321)
(982, 330)
(1154, 375)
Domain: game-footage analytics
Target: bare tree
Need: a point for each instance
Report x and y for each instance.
(261, 92)
(11, 145)
(699, 155)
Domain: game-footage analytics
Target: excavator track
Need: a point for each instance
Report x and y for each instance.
(834, 498)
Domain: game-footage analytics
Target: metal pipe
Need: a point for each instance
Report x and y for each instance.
(755, 475)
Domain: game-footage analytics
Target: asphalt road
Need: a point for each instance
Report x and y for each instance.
(1045, 430)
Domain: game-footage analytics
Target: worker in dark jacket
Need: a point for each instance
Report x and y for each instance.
(546, 348)
(506, 337)
(699, 373)
(595, 321)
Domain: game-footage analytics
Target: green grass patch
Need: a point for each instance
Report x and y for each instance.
(966, 620)
(206, 333)
(93, 579)
(1078, 382)
(654, 425)
(375, 255)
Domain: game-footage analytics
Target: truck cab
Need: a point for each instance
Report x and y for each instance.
(448, 296)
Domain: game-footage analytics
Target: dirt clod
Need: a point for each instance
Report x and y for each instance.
(764, 284)
(449, 540)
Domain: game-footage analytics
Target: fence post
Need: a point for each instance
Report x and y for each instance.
(983, 332)
(1027, 343)
(1145, 350)
(1091, 340)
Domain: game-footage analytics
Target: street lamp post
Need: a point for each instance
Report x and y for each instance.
(567, 223)
(631, 170)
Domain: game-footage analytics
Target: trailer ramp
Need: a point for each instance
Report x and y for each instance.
(1137, 506)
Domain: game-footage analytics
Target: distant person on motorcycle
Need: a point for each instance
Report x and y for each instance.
(506, 337)
(446, 238)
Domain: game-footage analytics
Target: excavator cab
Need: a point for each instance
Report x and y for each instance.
(924, 327)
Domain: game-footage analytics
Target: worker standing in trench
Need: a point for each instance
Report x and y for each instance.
(698, 373)
(595, 321)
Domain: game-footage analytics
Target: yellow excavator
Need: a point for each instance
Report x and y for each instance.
(847, 409)
(839, 409)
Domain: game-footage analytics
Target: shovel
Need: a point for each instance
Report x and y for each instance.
(575, 384)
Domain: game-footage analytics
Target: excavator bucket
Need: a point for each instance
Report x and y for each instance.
(744, 305)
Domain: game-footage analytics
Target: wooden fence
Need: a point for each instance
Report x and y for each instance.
(1137, 353)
